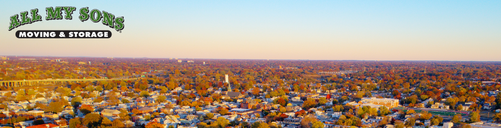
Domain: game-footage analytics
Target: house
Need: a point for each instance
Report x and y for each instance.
(487, 106)
(439, 106)
(171, 121)
(484, 125)
(336, 114)
(448, 125)
(234, 95)
(61, 123)
(44, 126)
(145, 110)
(110, 113)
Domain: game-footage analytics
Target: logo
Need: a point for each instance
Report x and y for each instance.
(95, 15)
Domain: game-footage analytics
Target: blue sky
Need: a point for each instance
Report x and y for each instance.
(316, 30)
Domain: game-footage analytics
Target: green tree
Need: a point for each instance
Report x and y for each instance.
(399, 124)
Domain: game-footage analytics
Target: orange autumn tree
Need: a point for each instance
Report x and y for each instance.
(154, 124)
(85, 109)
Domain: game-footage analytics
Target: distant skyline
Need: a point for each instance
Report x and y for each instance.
(277, 30)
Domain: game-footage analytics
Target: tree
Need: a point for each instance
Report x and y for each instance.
(383, 110)
(338, 108)
(425, 115)
(222, 122)
(144, 94)
(106, 122)
(282, 109)
(411, 111)
(460, 107)
(76, 101)
(118, 124)
(310, 103)
(202, 125)
(223, 111)
(259, 125)
(86, 109)
(309, 120)
(451, 101)
(124, 88)
(124, 114)
(434, 121)
(373, 111)
(317, 124)
(474, 116)
(154, 124)
(125, 100)
(99, 88)
(410, 122)
(55, 107)
(456, 118)
(92, 120)
(161, 99)
(21, 95)
(163, 89)
(256, 91)
(322, 101)
(209, 116)
(497, 117)
(498, 100)
(75, 122)
(64, 91)
(439, 119)
(113, 99)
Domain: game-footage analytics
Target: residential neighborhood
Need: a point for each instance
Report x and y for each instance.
(212, 97)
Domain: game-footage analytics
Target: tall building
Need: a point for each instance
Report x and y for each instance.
(226, 78)
(227, 81)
